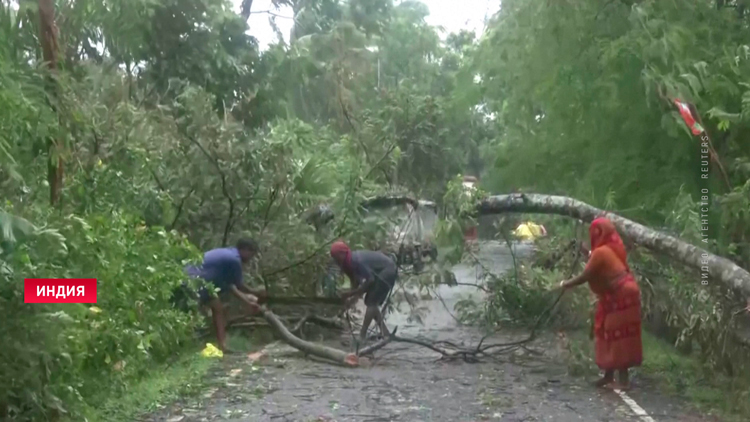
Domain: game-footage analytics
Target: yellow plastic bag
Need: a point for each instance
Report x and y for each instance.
(211, 351)
(536, 229)
(524, 232)
(529, 231)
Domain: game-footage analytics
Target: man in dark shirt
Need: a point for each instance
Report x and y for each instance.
(371, 273)
(222, 267)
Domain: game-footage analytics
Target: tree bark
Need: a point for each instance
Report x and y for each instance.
(301, 300)
(720, 269)
(48, 35)
(380, 202)
(319, 350)
(245, 9)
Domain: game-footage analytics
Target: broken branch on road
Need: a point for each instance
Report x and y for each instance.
(446, 349)
(319, 350)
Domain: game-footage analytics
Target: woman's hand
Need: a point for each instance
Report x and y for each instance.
(565, 284)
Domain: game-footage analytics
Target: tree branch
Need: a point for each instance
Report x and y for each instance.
(224, 190)
(180, 208)
(319, 350)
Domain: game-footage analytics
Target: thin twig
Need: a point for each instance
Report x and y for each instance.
(224, 190)
(445, 306)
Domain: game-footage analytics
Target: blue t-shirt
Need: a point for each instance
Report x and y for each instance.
(222, 267)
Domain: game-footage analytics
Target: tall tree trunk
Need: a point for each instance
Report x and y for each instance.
(50, 50)
(721, 269)
(718, 268)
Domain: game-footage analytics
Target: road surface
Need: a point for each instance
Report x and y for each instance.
(406, 383)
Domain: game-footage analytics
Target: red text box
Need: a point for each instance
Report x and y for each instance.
(59, 290)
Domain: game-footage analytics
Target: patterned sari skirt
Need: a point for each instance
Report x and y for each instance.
(617, 326)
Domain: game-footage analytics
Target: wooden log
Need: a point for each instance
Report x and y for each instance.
(319, 350)
(719, 268)
(301, 300)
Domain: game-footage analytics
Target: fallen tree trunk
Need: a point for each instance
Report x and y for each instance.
(719, 268)
(319, 350)
(722, 269)
(322, 214)
(380, 202)
(301, 300)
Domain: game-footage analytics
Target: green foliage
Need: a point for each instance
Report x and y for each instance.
(182, 380)
(177, 135)
(58, 356)
(175, 130)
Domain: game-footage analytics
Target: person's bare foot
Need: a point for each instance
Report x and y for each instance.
(608, 378)
(604, 381)
(621, 386)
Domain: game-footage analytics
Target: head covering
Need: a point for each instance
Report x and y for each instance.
(603, 233)
(341, 253)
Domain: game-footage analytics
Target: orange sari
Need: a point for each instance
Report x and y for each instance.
(617, 323)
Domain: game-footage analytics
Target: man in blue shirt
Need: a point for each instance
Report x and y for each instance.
(371, 273)
(222, 267)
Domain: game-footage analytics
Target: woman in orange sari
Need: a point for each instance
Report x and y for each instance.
(617, 323)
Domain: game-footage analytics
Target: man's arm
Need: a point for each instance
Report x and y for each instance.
(364, 279)
(239, 287)
(359, 290)
(250, 301)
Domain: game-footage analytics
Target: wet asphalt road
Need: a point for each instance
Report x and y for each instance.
(407, 383)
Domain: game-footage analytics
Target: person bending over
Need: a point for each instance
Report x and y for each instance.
(371, 273)
(222, 267)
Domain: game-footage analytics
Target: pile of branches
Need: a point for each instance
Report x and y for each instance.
(447, 350)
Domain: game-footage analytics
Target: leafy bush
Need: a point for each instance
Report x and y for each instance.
(57, 357)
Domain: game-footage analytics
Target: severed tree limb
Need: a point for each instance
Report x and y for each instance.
(722, 269)
(302, 300)
(447, 349)
(251, 320)
(368, 350)
(322, 214)
(319, 350)
(315, 319)
(389, 201)
(307, 347)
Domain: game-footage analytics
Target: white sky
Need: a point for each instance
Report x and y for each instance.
(450, 14)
